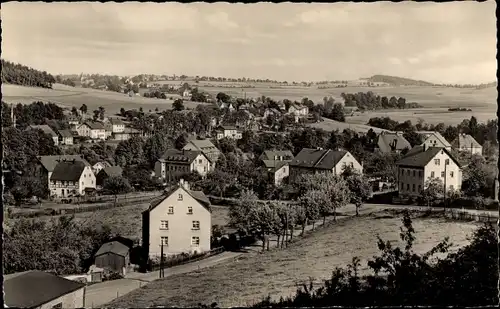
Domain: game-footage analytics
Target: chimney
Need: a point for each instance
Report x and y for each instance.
(184, 184)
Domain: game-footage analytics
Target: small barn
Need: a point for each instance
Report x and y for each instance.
(113, 256)
(109, 171)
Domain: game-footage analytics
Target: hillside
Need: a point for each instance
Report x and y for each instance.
(18, 74)
(398, 81)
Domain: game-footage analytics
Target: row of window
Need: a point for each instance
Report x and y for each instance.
(195, 241)
(420, 173)
(419, 187)
(442, 174)
(438, 162)
(69, 183)
(164, 225)
(171, 210)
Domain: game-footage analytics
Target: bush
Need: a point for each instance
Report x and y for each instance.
(108, 276)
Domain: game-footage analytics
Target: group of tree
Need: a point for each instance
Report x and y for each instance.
(155, 94)
(65, 81)
(18, 74)
(402, 277)
(371, 101)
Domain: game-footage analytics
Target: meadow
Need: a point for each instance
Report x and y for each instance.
(252, 277)
(435, 100)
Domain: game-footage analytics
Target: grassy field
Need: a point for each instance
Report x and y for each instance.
(250, 278)
(332, 125)
(436, 100)
(127, 220)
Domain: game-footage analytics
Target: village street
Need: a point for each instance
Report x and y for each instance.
(102, 293)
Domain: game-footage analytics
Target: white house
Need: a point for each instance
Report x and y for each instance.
(180, 220)
(466, 143)
(271, 112)
(117, 125)
(96, 168)
(49, 291)
(310, 160)
(176, 163)
(422, 163)
(71, 178)
(228, 131)
(205, 146)
(94, 130)
(434, 139)
(65, 137)
(47, 130)
(298, 110)
(47, 164)
(276, 164)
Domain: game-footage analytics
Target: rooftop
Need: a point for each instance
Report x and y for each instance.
(68, 171)
(179, 156)
(45, 128)
(50, 162)
(418, 157)
(115, 247)
(318, 158)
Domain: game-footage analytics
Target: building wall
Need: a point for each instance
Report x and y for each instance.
(410, 180)
(112, 261)
(121, 136)
(348, 160)
(451, 169)
(201, 165)
(72, 188)
(67, 141)
(160, 170)
(280, 174)
(83, 130)
(118, 128)
(98, 134)
(56, 140)
(74, 299)
(472, 150)
(295, 172)
(180, 225)
(433, 141)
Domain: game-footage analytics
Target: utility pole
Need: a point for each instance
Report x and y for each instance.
(161, 260)
(446, 161)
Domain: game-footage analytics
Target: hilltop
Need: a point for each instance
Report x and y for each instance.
(398, 81)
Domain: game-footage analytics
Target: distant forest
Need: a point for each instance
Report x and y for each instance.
(371, 101)
(18, 74)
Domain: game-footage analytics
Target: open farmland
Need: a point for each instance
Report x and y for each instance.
(332, 125)
(127, 220)
(254, 276)
(68, 97)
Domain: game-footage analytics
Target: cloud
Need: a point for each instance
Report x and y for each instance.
(221, 21)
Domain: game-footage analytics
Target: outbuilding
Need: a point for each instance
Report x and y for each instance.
(113, 256)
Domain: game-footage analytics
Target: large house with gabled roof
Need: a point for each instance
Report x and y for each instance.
(176, 163)
(205, 146)
(47, 164)
(422, 163)
(434, 139)
(276, 164)
(466, 143)
(388, 142)
(71, 178)
(180, 220)
(92, 129)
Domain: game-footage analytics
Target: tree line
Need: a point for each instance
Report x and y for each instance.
(18, 74)
(371, 101)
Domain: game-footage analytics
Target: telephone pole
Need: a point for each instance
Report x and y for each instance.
(161, 261)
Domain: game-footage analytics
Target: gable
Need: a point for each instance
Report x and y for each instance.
(172, 200)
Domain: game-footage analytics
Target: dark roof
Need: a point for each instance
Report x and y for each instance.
(116, 121)
(298, 106)
(68, 171)
(386, 139)
(275, 165)
(112, 171)
(65, 133)
(94, 125)
(318, 158)
(45, 128)
(417, 157)
(50, 162)
(465, 140)
(203, 145)
(197, 195)
(33, 288)
(103, 163)
(270, 154)
(179, 156)
(115, 247)
(437, 135)
(227, 128)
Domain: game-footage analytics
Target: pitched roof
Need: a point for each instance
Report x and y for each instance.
(437, 135)
(204, 145)
(45, 128)
(298, 106)
(94, 125)
(43, 287)
(68, 171)
(465, 140)
(275, 165)
(386, 139)
(179, 156)
(112, 170)
(116, 121)
(103, 163)
(50, 162)
(270, 154)
(417, 157)
(228, 127)
(113, 247)
(318, 158)
(197, 195)
(65, 133)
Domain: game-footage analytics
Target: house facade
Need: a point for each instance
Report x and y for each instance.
(298, 110)
(176, 163)
(47, 130)
(65, 137)
(47, 164)
(466, 143)
(271, 112)
(434, 139)
(392, 142)
(71, 179)
(180, 221)
(94, 130)
(96, 168)
(309, 161)
(105, 173)
(424, 163)
(117, 125)
(205, 146)
(113, 256)
(228, 131)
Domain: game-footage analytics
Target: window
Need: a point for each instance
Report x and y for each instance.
(451, 174)
(407, 187)
(402, 186)
(196, 225)
(84, 175)
(437, 161)
(442, 174)
(190, 210)
(413, 188)
(408, 172)
(179, 198)
(57, 306)
(164, 240)
(414, 173)
(420, 174)
(419, 188)
(402, 172)
(163, 225)
(170, 210)
(200, 161)
(204, 168)
(82, 183)
(447, 161)
(195, 241)
(432, 174)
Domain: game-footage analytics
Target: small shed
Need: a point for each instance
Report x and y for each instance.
(113, 256)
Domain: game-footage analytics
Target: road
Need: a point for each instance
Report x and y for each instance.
(101, 293)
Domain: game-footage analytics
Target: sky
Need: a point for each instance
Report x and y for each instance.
(452, 42)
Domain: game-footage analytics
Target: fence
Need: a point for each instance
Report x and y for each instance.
(188, 259)
(455, 214)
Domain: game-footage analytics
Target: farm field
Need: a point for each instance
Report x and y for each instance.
(127, 220)
(68, 97)
(332, 125)
(254, 276)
